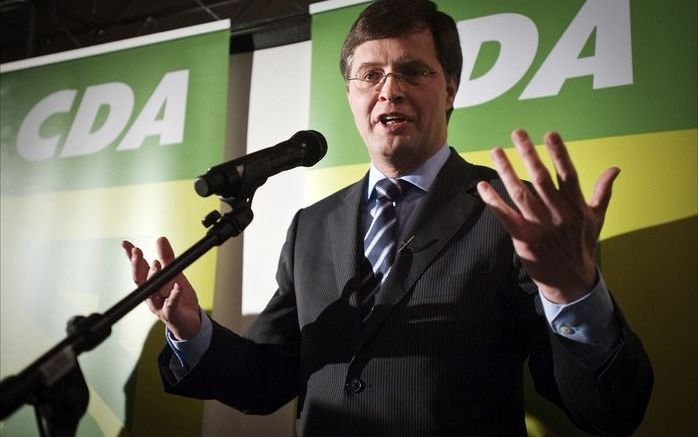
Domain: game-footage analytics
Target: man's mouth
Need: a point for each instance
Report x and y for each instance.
(392, 119)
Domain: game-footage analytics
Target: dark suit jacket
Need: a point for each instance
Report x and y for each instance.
(442, 353)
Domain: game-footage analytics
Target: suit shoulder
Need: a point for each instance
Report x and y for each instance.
(486, 173)
(347, 194)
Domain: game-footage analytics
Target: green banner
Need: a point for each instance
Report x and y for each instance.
(588, 69)
(103, 121)
(99, 145)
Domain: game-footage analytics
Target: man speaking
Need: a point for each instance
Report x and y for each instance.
(408, 302)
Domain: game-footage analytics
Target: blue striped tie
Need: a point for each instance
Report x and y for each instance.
(379, 242)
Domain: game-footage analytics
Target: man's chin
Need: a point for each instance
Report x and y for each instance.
(402, 157)
(395, 152)
(392, 144)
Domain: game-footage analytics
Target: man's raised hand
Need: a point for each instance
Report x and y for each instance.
(554, 230)
(175, 303)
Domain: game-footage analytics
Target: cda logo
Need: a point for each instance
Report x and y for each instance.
(163, 115)
(517, 37)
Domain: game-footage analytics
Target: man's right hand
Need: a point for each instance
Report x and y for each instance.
(175, 303)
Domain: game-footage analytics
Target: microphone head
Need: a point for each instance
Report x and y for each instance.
(313, 144)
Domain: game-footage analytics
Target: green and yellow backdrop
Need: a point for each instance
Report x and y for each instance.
(105, 146)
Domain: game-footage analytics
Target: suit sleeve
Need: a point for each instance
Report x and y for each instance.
(606, 399)
(256, 373)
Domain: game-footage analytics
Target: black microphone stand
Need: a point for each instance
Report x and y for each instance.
(54, 383)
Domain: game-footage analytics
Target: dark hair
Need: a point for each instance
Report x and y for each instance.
(395, 18)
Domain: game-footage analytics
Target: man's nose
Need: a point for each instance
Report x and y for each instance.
(391, 88)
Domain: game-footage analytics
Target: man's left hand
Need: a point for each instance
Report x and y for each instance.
(554, 230)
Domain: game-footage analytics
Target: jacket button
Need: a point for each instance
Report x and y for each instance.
(355, 385)
(567, 330)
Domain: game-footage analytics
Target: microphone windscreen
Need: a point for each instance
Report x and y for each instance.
(313, 144)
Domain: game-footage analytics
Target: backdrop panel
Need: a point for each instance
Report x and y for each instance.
(99, 145)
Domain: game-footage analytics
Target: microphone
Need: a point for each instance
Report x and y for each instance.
(241, 176)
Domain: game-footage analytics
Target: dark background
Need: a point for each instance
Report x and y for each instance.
(30, 28)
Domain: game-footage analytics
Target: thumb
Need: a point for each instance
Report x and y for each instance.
(173, 299)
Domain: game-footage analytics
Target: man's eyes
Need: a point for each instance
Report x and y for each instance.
(412, 73)
(407, 73)
(372, 76)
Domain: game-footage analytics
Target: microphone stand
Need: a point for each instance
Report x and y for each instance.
(54, 383)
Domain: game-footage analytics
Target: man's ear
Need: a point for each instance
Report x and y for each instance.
(451, 90)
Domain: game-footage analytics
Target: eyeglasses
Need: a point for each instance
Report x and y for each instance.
(371, 79)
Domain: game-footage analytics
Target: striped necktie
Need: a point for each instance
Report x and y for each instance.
(379, 242)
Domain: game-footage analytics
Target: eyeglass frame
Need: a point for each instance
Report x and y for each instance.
(424, 74)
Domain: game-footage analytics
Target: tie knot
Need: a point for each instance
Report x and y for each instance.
(390, 189)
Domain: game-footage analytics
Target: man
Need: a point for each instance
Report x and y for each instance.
(409, 301)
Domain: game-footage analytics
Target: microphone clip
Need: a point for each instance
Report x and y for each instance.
(405, 245)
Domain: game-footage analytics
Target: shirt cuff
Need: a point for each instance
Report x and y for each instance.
(589, 320)
(189, 352)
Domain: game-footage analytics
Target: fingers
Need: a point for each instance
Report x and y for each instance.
(173, 299)
(156, 267)
(164, 249)
(538, 174)
(166, 289)
(128, 248)
(566, 172)
(555, 231)
(511, 219)
(569, 179)
(602, 192)
(529, 206)
(142, 271)
(139, 266)
(552, 204)
(158, 299)
(166, 255)
(163, 303)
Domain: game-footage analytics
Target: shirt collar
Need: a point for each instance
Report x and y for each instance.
(422, 177)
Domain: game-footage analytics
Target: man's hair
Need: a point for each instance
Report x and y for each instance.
(396, 18)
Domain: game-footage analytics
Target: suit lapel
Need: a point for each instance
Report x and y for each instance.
(450, 201)
(342, 228)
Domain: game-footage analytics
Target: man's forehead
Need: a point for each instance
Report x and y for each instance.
(409, 49)
(396, 64)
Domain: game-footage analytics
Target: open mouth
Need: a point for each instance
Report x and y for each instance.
(391, 119)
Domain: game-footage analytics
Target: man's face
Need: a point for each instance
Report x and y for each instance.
(401, 123)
